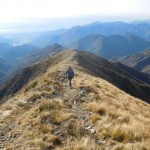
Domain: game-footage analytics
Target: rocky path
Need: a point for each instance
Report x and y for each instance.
(74, 103)
(70, 97)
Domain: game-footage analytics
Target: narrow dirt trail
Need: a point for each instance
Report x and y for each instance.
(70, 97)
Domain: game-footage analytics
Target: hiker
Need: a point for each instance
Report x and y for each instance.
(70, 75)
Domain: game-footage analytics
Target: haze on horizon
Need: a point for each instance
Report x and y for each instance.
(34, 14)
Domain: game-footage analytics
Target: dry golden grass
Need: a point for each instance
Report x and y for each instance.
(75, 129)
(35, 114)
(81, 144)
(100, 109)
(50, 105)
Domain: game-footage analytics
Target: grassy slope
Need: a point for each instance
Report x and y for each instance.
(43, 115)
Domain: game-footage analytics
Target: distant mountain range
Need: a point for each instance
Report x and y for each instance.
(36, 57)
(110, 46)
(108, 40)
(139, 61)
(13, 59)
(10, 56)
(5, 40)
(4, 48)
(19, 52)
(65, 36)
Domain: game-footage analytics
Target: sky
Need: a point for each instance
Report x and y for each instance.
(27, 12)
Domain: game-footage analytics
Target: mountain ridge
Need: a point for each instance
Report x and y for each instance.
(90, 63)
(46, 114)
(111, 46)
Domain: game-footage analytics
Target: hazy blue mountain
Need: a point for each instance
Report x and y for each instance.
(5, 40)
(49, 38)
(73, 34)
(19, 52)
(26, 55)
(37, 56)
(4, 67)
(4, 48)
(22, 38)
(139, 61)
(10, 55)
(110, 46)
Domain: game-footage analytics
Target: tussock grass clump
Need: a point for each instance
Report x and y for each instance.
(128, 146)
(113, 114)
(75, 129)
(46, 142)
(45, 129)
(45, 94)
(44, 117)
(124, 119)
(54, 116)
(21, 104)
(50, 105)
(34, 97)
(51, 140)
(31, 86)
(56, 141)
(99, 108)
(89, 89)
(96, 97)
(98, 85)
(94, 118)
(7, 106)
(38, 143)
(101, 111)
(127, 134)
(81, 144)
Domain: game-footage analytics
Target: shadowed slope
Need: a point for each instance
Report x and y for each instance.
(127, 79)
(139, 61)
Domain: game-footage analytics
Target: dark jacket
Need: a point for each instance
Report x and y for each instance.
(70, 73)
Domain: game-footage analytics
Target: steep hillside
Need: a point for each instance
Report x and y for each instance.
(41, 55)
(4, 67)
(26, 55)
(127, 79)
(139, 61)
(36, 57)
(46, 114)
(111, 46)
(10, 56)
(48, 38)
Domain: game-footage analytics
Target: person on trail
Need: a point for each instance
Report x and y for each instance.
(70, 75)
